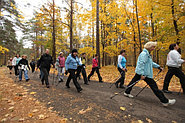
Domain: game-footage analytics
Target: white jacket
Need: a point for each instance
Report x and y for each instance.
(14, 61)
(174, 59)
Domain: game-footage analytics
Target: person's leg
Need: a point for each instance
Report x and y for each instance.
(155, 89)
(59, 73)
(44, 70)
(20, 75)
(63, 71)
(129, 87)
(16, 70)
(79, 68)
(26, 75)
(77, 85)
(92, 72)
(181, 76)
(119, 80)
(168, 77)
(84, 75)
(69, 79)
(98, 73)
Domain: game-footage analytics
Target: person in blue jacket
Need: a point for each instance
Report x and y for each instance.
(71, 64)
(144, 71)
(122, 69)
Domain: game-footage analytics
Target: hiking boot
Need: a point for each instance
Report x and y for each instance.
(128, 95)
(79, 90)
(100, 81)
(67, 86)
(121, 86)
(116, 84)
(86, 83)
(27, 80)
(47, 86)
(166, 91)
(170, 102)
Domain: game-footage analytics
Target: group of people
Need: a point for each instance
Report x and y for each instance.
(144, 71)
(75, 65)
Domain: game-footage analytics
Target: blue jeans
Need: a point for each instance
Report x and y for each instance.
(25, 74)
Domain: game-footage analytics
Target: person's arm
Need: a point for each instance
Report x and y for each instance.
(79, 61)
(175, 58)
(119, 61)
(19, 62)
(14, 61)
(155, 65)
(51, 62)
(67, 62)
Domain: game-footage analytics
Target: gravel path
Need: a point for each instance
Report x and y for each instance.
(94, 103)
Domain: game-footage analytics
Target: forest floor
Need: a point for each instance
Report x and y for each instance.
(33, 102)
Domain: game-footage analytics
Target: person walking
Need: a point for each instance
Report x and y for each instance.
(23, 67)
(174, 62)
(144, 71)
(122, 69)
(95, 68)
(10, 66)
(15, 62)
(71, 64)
(61, 66)
(32, 64)
(82, 68)
(45, 63)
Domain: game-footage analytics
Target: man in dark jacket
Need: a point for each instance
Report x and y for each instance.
(45, 64)
(32, 64)
(23, 67)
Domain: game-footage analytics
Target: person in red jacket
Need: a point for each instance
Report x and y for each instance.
(95, 68)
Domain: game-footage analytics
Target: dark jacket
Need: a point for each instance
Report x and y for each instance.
(45, 61)
(32, 64)
(23, 62)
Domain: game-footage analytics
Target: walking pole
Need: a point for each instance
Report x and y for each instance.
(147, 84)
(124, 90)
(115, 80)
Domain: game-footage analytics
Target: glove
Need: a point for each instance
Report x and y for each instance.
(160, 68)
(83, 65)
(126, 70)
(66, 72)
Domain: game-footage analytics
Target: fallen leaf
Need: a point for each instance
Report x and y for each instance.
(49, 103)
(123, 108)
(11, 108)
(30, 115)
(42, 117)
(33, 92)
(35, 110)
(7, 115)
(140, 121)
(21, 119)
(147, 119)
(116, 93)
(84, 111)
(174, 121)
(4, 120)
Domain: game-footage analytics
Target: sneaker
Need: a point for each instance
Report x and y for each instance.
(47, 86)
(170, 102)
(86, 83)
(166, 91)
(67, 86)
(27, 80)
(128, 95)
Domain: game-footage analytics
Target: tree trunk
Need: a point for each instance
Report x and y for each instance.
(71, 27)
(97, 32)
(174, 20)
(137, 17)
(54, 40)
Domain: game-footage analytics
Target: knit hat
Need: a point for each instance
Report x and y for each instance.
(74, 50)
(60, 53)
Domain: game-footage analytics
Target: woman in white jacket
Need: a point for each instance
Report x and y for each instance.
(174, 62)
(15, 62)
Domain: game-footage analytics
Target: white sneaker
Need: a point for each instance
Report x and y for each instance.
(170, 102)
(128, 95)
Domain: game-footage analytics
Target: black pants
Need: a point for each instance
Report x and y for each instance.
(122, 78)
(152, 85)
(16, 70)
(33, 68)
(82, 69)
(97, 71)
(72, 75)
(178, 73)
(45, 75)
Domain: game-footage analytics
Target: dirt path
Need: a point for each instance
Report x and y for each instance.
(94, 103)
